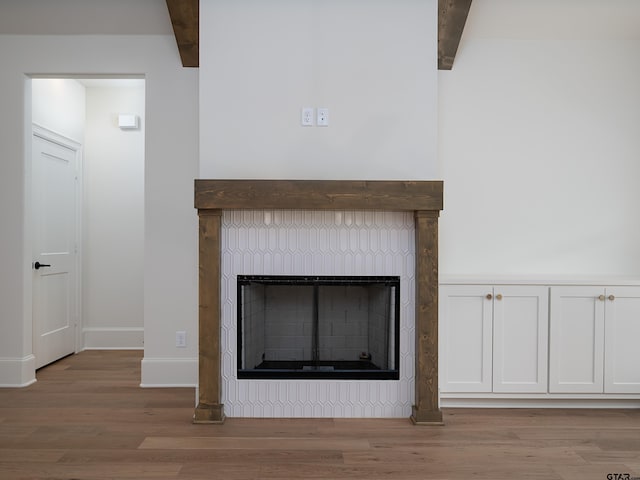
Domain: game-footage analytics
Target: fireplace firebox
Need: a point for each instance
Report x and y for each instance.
(318, 327)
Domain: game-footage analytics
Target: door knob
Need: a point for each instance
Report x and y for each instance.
(612, 297)
(39, 265)
(489, 296)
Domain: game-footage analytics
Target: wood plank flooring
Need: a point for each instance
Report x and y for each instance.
(86, 418)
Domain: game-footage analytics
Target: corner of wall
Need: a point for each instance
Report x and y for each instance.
(18, 372)
(169, 372)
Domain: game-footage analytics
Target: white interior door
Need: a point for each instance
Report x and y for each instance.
(55, 310)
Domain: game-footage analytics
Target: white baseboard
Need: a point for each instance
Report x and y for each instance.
(17, 372)
(113, 338)
(169, 372)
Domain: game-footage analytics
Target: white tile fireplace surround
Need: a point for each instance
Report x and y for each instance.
(333, 243)
(318, 228)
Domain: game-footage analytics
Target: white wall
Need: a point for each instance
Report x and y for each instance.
(113, 221)
(171, 164)
(539, 142)
(58, 104)
(85, 17)
(371, 62)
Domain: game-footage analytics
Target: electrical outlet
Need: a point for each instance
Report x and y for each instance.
(323, 117)
(306, 119)
(181, 339)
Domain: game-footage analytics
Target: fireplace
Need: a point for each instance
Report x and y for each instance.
(267, 228)
(318, 327)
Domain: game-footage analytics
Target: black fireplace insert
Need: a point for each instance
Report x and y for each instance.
(318, 327)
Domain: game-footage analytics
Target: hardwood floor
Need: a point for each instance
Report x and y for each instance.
(86, 418)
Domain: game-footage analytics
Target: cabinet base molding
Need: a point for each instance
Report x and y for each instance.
(592, 401)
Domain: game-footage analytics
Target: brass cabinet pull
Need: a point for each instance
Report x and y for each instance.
(601, 298)
(612, 298)
(499, 296)
(489, 296)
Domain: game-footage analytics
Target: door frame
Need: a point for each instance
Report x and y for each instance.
(54, 137)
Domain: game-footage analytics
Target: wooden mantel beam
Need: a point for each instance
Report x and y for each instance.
(185, 18)
(452, 15)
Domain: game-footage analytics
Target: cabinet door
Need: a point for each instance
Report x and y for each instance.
(576, 343)
(465, 338)
(520, 339)
(622, 340)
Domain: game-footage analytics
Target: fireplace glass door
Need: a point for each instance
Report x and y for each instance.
(318, 327)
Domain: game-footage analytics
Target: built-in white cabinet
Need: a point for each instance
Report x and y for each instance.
(576, 340)
(622, 340)
(466, 332)
(493, 338)
(594, 338)
(539, 344)
(520, 338)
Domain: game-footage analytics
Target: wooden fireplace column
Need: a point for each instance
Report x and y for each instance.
(424, 198)
(209, 409)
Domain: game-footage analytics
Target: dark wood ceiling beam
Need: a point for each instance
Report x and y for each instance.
(185, 18)
(452, 15)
